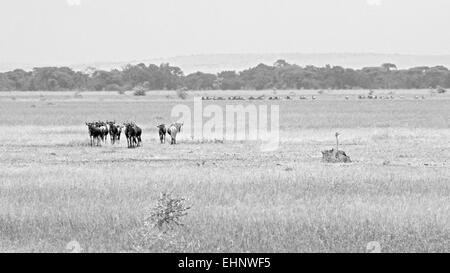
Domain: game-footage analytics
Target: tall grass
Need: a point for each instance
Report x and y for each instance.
(54, 189)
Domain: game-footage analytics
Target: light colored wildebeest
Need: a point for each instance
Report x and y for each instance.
(173, 130)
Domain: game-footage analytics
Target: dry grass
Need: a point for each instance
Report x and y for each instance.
(54, 188)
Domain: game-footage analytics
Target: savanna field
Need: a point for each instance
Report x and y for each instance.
(55, 188)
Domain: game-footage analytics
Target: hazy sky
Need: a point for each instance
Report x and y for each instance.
(78, 31)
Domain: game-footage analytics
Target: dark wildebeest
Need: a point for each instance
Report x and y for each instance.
(173, 130)
(162, 132)
(114, 131)
(103, 128)
(95, 133)
(133, 134)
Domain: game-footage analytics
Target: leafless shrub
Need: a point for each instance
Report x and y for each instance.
(159, 229)
(168, 212)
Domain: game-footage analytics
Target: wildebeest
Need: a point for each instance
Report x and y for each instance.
(115, 130)
(162, 130)
(173, 130)
(95, 133)
(103, 128)
(133, 134)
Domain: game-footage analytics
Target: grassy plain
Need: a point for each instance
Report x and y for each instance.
(54, 188)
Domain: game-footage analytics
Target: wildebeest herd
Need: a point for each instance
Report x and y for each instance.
(263, 97)
(99, 131)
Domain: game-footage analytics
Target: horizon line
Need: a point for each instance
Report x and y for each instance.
(224, 54)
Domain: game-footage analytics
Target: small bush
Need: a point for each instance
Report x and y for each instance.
(168, 212)
(139, 92)
(441, 90)
(333, 156)
(157, 232)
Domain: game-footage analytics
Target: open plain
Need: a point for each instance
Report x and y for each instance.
(55, 188)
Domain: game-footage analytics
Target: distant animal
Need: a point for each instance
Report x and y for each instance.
(103, 128)
(162, 131)
(115, 130)
(95, 133)
(133, 134)
(173, 130)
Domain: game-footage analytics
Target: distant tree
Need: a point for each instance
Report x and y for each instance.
(388, 66)
(259, 77)
(280, 63)
(200, 81)
(281, 75)
(229, 80)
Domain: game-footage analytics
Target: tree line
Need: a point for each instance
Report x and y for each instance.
(280, 75)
